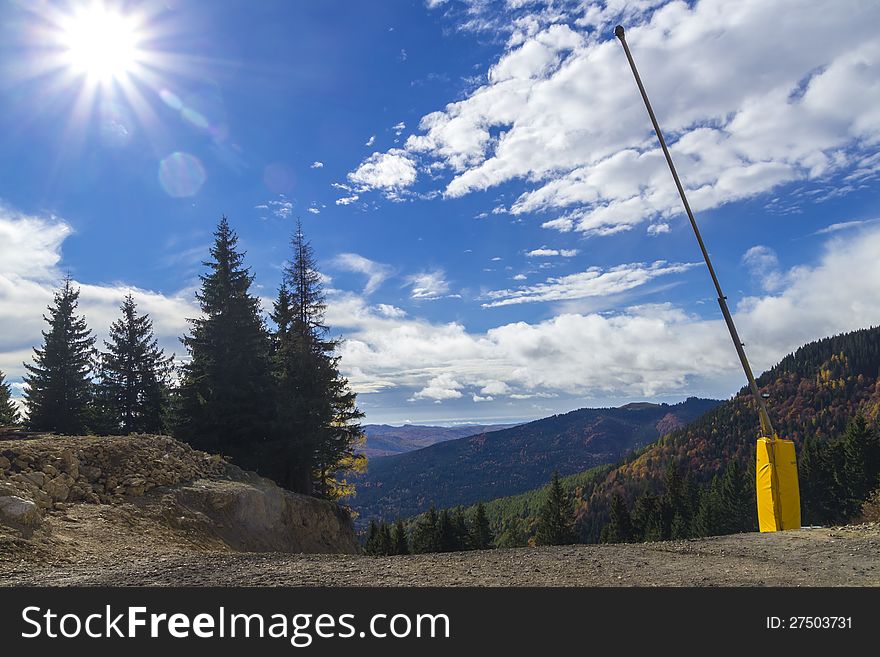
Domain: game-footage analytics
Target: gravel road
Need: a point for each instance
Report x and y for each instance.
(841, 556)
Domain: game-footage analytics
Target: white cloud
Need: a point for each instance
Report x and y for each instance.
(520, 277)
(774, 92)
(30, 272)
(844, 225)
(399, 128)
(658, 229)
(314, 210)
(390, 172)
(544, 252)
(281, 208)
(595, 282)
(428, 285)
(440, 388)
(317, 165)
(642, 351)
(371, 140)
(375, 272)
(347, 200)
(763, 264)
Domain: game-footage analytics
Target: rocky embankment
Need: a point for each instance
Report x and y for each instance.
(73, 497)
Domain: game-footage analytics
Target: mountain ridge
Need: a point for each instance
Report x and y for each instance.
(509, 461)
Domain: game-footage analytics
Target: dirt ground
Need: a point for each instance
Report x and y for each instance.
(119, 546)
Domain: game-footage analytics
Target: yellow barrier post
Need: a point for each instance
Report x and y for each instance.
(776, 480)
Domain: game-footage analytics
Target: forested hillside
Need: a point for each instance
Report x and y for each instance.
(814, 394)
(499, 463)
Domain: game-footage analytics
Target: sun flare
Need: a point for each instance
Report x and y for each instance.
(100, 43)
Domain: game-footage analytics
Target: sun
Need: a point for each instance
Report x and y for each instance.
(100, 43)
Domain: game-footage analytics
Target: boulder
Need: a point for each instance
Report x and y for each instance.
(17, 511)
(58, 488)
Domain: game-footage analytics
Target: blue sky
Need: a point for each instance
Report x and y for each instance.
(498, 232)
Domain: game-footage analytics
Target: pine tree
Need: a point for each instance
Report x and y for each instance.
(481, 532)
(556, 522)
(399, 539)
(646, 518)
(620, 529)
(861, 453)
(134, 374)
(426, 534)
(58, 385)
(736, 500)
(386, 544)
(709, 518)
(226, 386)
(8, 411)
(446, 530)
(316, 428)
(371, 543)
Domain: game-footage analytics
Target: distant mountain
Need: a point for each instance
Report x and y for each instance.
(813, 392)
(385, 440)
(499, 463)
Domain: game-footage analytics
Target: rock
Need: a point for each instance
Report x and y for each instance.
(91, 473)
(69, 463)
(4, 463)
(38, 478)
(43, 500)
(57, 488)
(18, 511)
(50, 470)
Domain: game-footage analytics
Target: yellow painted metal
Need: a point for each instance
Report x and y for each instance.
(776, 482)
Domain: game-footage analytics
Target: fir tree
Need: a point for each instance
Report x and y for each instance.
(646, 518)
(134, 374)
(736, 499)
(8, 411)
(861, 454)
(371, 543)
(399, 539)
(709, 519)
(58, 385)
(316, 428)
(556, 522)
(426, 533)
(460, 530)
(226, 386)
(446, 531)
(620, 529)
(481, 532)
(386, 543)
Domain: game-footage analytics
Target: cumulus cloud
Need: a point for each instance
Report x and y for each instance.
(658, 229)
(595, 282)
(376, 272)
(371, 140)
(30, 272)
(776, 92)
(390, 172)
(317, 165)
(440, 388)
(347, 200)
(428, 285)
(641, 351)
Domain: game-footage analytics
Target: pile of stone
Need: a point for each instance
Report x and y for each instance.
(50, 471)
